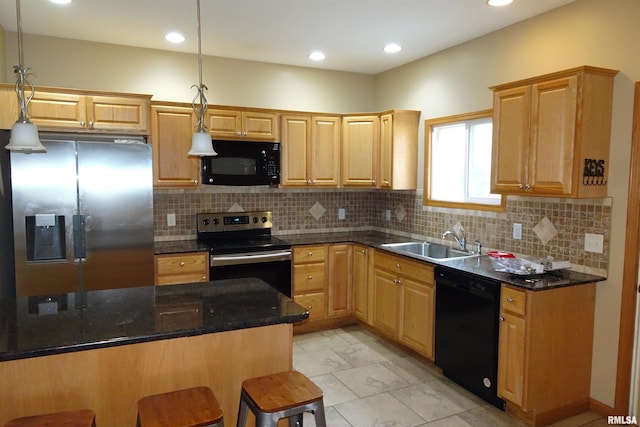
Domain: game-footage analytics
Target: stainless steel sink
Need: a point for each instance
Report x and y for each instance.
(428, 251)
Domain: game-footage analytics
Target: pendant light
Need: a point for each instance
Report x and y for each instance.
(201, 144)
(24, 134)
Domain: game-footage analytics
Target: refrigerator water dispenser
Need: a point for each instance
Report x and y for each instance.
(45, 237)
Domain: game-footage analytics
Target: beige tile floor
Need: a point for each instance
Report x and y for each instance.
(368, 382)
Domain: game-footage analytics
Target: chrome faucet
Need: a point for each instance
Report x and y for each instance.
(462, 241)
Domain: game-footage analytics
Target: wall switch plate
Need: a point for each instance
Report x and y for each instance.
(517, 231)
(341, 213)
(387, 215)
(171, 220)
(593, 243)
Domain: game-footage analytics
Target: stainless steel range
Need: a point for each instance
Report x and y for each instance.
(241, 245)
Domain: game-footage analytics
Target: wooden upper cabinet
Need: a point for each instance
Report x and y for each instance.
(360, 151)
(171, 130)
(551, 134)
(399, 150)
(310, 150)
(79, 111)
(249, 125)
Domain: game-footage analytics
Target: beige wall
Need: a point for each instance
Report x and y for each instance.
(3, 57)
(594, 32)
(601, 33)
(168, 76)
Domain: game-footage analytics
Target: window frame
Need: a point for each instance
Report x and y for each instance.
(428, 136)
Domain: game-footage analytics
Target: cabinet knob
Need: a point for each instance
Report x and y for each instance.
(521, 186)
(386, 182)
(309, 277)
(204, 278)
(181, 263)
(239, 133)
(527, 187)
(83, 123)
(501, 318)
(509, 299)
(309, 182)
(364, 252)
(398, 265)
(309, 307)
(310, 253)
(373, 181)
(91, 124)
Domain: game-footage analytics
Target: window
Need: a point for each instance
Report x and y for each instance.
(458, 162)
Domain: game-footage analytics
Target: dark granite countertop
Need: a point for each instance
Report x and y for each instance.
(179, 246)
(128, 316)
(480, 266)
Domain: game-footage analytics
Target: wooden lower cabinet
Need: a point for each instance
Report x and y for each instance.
(404, 301)
(544, 352)
(171, 269)
(362, 291)
(322, 282)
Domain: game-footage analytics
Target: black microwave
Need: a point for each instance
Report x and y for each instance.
(242, 163)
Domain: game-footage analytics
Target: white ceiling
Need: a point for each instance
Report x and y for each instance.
(351, 33)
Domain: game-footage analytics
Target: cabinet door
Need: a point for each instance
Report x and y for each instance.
(224, 123)
(417, 316)
(114, 113)
(386, 151)
(171, 129)
(511, 112)
(386, 302)
(340, 284)
(295, 152)
(360, 150)
(324, 162)
(551, 149)
(58, 110)
(260, 126)
(511, 358)
(361, 283)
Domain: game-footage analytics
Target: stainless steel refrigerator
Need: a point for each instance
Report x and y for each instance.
(82, 215)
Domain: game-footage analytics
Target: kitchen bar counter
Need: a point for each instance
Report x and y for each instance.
(130, 343)
(128, 316)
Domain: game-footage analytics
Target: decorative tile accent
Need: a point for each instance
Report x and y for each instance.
(400, 213)
(236, 208)
(545, 230)
(317, 210)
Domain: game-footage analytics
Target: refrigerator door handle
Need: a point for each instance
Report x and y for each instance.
(79, 238)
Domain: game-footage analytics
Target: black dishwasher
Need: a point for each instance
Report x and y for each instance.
(466, 336)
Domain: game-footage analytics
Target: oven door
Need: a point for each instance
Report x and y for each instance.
(274, 267)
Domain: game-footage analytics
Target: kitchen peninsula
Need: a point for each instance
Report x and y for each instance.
(106, 349)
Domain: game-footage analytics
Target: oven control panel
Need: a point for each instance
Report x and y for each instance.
(233, 221)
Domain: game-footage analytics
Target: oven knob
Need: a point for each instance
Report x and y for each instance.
(216, 221)
(206, 221)
(264, 219)
(255, 219)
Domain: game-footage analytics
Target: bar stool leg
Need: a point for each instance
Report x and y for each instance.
(296, 420)
(319, 415)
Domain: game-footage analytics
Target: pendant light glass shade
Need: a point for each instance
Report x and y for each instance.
(24, 134)
(201, 144)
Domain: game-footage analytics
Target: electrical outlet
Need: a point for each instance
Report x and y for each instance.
(171, 220)
(341, 213)
(593, 243)
(517, 231)
(387, 215)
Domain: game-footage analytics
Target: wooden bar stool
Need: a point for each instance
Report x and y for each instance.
(80, 418)
(192, 407)
(282, 395)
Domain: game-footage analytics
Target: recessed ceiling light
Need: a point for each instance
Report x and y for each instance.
(174, 37)
(60, 1)
(316, 56)
(499, 2)
(392, 48)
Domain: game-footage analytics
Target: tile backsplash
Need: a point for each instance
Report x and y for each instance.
(314, 210)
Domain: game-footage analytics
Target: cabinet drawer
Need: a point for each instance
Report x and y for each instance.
(513, 300)
(308, 277)
(306, 254)
(178, 264)
(416, 270)
(175, 279)
(314, 303)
